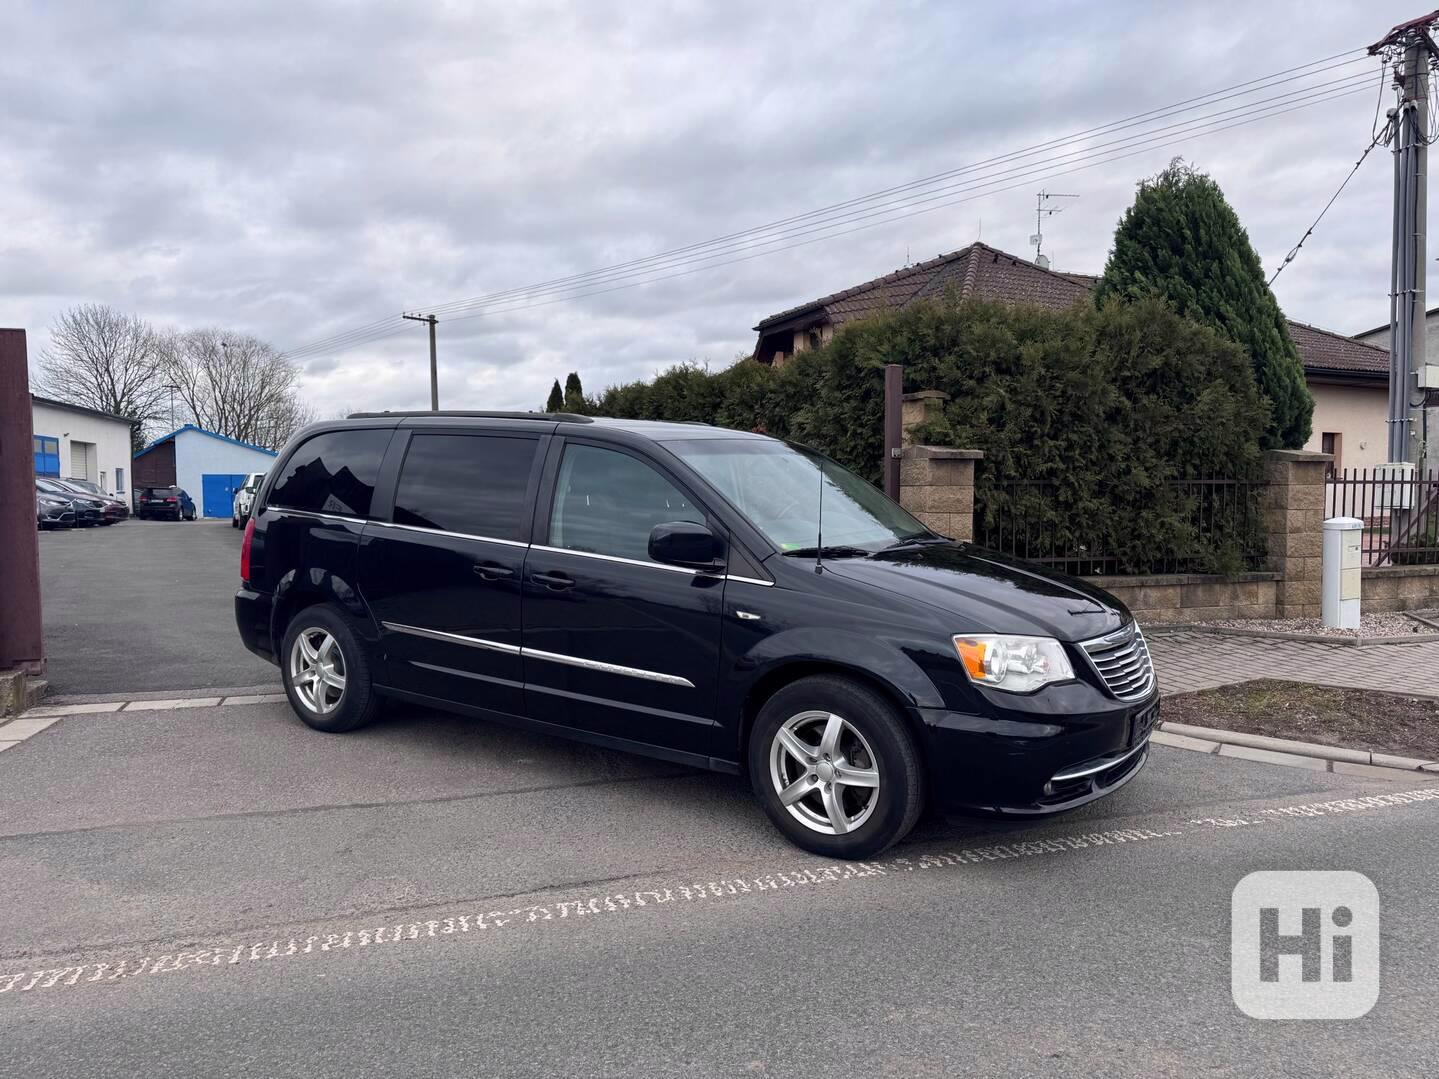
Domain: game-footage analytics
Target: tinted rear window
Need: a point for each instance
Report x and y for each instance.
(475, 484)
(332, 473)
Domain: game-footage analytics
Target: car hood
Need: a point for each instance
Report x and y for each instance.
(988, 591)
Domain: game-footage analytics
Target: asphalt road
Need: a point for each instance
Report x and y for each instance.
(437, 897)
(144, 605)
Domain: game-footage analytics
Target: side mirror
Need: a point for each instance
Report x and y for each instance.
(684, 543)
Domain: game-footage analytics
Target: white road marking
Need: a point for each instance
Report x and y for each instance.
(478, 922)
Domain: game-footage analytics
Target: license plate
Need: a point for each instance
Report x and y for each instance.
(1141, 725)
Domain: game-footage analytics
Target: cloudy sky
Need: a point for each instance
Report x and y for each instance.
(297, 170)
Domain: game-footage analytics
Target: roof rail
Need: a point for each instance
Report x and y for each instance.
(562, 417)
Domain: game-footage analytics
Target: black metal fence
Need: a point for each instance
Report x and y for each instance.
(1400, 511)
(1202, 525)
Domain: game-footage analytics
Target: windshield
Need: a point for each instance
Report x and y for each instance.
(777, 487)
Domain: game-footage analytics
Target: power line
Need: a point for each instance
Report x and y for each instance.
(710, 253)
(758, 237)
(733, 239)
(899, 217)
(1293, 251)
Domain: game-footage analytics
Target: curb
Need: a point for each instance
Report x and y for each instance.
(1311, 755)
(1157, 629)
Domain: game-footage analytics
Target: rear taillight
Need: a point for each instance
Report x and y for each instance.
(245, 550)
(172, 500)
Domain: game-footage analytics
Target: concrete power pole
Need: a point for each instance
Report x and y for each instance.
(1411, 50)
(434, 368)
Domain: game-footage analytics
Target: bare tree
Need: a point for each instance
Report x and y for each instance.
(102, 358)
(236, 385)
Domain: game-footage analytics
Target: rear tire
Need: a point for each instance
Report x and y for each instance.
(845, 762)
(326, 671)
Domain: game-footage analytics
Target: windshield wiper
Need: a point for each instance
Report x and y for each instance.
(837, 551)
(912, 541)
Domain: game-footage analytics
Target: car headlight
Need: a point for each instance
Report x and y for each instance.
(1013, 664)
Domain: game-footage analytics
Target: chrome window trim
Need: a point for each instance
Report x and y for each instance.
(625, 561)
(447, 532)
(652, 565)
(608, 668)
(319, 516)
(521, 544)
(534, 653)
(454, 638)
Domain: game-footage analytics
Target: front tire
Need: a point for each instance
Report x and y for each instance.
(835, 767)
(326, 671)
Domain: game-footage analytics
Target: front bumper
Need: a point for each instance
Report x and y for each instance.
(1033, 760)
(59, 518)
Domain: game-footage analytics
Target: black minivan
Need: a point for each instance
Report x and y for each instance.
(710, 597)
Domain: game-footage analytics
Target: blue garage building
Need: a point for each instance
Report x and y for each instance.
(209, 467)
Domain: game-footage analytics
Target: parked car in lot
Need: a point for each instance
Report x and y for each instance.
(164, 503)
(719, 599)
(245, 498)
(113, 509)
(88, 511)
(52, 511)
(91, 489)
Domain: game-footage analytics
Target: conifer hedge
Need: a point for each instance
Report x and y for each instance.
(1099, 409)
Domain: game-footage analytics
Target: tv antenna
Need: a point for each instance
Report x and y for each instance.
(1042, 210)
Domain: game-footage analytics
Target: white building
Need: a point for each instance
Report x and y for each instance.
(210, 468)
(77, 443)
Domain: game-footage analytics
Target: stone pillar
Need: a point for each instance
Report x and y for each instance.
(917, 408)
(936, 484)
(1293, 505)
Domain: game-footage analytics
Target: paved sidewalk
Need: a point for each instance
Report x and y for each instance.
(1191, 661)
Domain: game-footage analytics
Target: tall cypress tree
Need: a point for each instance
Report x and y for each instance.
(556, 401)
(574, 394)
(1182, 241)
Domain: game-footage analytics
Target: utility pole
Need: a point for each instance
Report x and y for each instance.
(1410, 49)
(434, 369)
(1041, 211)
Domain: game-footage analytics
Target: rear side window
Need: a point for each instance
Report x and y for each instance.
(475, 484)
(332, 473)
(607, 502)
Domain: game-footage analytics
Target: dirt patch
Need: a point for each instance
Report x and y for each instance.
(1354, 718)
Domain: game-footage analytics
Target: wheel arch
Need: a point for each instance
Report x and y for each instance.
(300, 589)
(790, 671)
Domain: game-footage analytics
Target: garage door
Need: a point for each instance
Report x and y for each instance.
(217, 496)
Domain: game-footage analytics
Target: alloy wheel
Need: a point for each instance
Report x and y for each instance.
(317, 670)
(824, 772)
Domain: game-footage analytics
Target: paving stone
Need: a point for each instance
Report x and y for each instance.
(57, 710)
(19, 729)
(181, 702)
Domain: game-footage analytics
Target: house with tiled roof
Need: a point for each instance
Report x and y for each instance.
(1348, 378)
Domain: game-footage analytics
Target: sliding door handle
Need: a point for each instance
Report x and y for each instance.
(492, 572)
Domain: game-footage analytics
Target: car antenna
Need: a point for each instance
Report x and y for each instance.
(819, 523)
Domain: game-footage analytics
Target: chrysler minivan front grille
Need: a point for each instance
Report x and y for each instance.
(1122, 661)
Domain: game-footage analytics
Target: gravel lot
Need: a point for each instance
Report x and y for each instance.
(144, 605)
